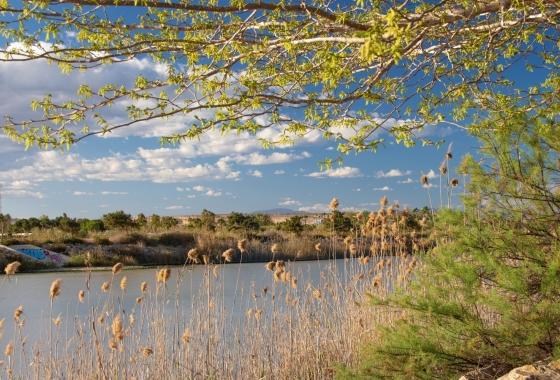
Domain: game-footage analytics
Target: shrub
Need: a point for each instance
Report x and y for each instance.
(176, 239)
(486, 297)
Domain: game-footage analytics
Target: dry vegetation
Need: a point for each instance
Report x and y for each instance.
(294, 327)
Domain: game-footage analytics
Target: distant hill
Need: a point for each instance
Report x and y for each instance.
(279, 211)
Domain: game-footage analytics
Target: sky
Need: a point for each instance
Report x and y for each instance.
(129, 170)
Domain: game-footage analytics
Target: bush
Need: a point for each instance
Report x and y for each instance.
(176, 239)
(487, 296)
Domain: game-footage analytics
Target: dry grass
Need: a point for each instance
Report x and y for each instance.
(292, 328)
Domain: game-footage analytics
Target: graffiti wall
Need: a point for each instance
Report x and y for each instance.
(41, 254)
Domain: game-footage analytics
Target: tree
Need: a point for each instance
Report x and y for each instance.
(168, 222)
(118, 220)
(208, 220)
(350, 70)
(338, 221)
(239, 221)
(5, 224)
(487, 296)
(293, 224)
(66, 224)
(94, 225)
(141, 220)
(155, 222)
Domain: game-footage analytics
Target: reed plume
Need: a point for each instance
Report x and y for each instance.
(274, 249)
(383, 201)
(206, 259)
(215, 271)
(334, 204)
(144, 287)
(353, 249)
(81, 295)
(117, 328)
(163, 275)
(123, 284)
(117, 268)
(242, 245)
(55, 288)
(106, 285)
(318, 246)
(12, 267)
(194, 255)
(147, 352)
(18, 313)
(228, 255)
(270, 266)
(9, 347)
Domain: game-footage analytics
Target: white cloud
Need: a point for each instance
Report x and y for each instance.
(392, 173)
(261, 159)
(191, 196)
(255, 173)
(199, 188)
(408, 180)
(351, 209)
(431, 174)
(186, 188)
(212, 193)
(114, 193)
(279, 172)
(179, 188)
(429, 185)
(330, 148)
(19, 193)
(384, 188)
(290, 202)
(82, 193)
(369, 204)
(319, 208)
(103, 206)
(344, 172)
(357, 189)
(174, 208)
(53, 166)
(22, 189)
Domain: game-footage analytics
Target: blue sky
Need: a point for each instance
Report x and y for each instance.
(129, 170)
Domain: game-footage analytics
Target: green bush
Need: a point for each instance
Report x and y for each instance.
(487, 296)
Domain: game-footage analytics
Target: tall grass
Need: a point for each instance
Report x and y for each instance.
(288, 327)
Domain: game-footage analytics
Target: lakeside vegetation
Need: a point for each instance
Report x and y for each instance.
(118, 237)
(482, 299)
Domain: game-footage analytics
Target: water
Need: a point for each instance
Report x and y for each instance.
(237, 282)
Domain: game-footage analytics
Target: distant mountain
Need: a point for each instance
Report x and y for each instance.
(279, 211)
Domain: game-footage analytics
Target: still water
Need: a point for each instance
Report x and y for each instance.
(237, 281)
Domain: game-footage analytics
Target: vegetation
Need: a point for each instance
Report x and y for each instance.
(486, 297)
(480, 295)
(353, 69)
(196, 320)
